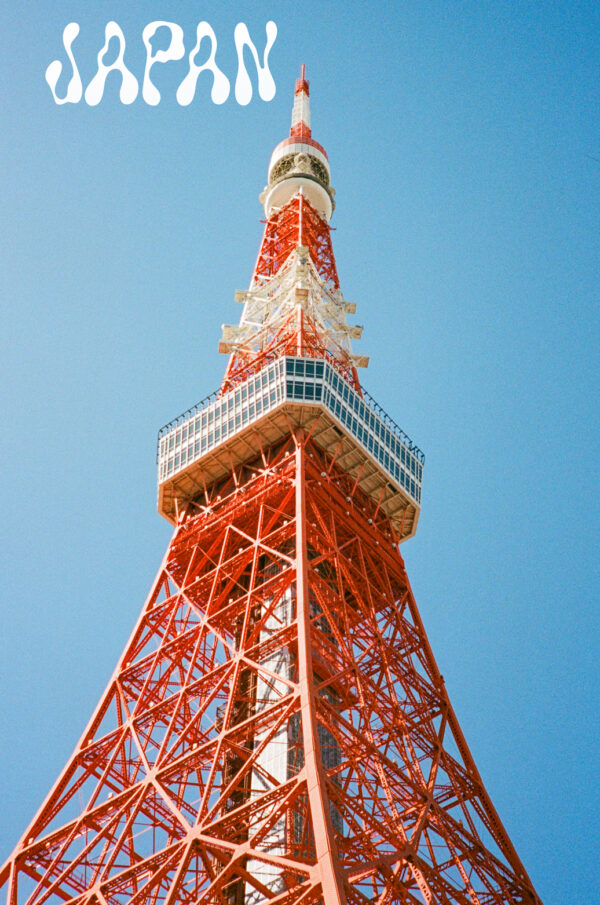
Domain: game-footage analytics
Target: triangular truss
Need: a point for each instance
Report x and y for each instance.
(277, 729)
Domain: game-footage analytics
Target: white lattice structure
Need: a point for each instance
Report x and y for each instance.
(269, 306)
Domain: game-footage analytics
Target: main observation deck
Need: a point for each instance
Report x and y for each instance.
(202, 445)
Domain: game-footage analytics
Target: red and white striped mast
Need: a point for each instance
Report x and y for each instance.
(294, 302)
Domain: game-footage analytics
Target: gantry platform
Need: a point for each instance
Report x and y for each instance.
(202, 445)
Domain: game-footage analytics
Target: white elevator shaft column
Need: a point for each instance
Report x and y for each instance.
(273, 760)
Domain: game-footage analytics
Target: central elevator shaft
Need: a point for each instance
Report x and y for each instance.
(283, 755)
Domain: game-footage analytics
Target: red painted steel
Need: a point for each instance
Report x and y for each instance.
(156, 806)
(297, 223)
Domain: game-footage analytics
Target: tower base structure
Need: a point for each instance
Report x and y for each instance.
(277, 729)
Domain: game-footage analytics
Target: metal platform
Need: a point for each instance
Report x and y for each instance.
(200, 446)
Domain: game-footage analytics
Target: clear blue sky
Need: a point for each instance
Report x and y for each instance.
(461, 138)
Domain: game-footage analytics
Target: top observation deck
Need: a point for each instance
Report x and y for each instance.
(224, 430)
(292, 366)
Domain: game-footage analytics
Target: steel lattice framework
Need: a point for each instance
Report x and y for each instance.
(277, 730)
(298, 223)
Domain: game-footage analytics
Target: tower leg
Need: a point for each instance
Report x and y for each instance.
(333, 890)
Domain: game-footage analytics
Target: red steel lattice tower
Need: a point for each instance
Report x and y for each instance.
(277, 730)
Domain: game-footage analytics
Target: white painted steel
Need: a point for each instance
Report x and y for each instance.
(272, 763)
(268, 305)
(282, 192)
(301, 109)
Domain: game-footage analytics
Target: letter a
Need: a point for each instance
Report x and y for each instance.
(74, 88)
(175, 51)
(243, 85)
(129, 83)
(220, 87)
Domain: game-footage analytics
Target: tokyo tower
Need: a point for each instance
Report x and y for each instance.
(277, 730)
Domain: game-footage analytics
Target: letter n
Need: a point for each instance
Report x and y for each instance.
(243, 85)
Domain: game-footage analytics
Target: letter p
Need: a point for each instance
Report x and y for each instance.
(175, 51)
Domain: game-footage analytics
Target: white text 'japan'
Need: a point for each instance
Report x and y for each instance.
(186, 91)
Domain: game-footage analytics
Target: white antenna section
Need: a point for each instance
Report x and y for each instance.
(268, 306)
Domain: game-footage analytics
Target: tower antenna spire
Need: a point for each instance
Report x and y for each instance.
(301, 109)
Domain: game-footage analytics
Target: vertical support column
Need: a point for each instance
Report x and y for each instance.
(301, 218)
(330, 874)
(274, 757)
(300, 329)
